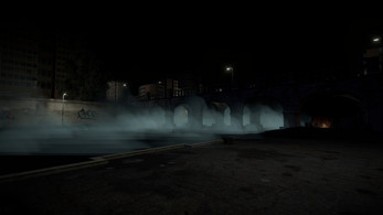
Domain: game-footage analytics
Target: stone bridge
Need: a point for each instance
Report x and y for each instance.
(354, 103)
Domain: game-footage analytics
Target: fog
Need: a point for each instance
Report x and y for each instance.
(137, 127)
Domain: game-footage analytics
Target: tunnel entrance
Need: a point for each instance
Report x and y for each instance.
(262, 114)
(332, 111)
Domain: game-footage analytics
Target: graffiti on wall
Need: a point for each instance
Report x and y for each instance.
(6, 115)
(86, 114)
(7, 118)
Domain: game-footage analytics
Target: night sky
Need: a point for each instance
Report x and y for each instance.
(254, 44)
(147, 44)
(254, 47)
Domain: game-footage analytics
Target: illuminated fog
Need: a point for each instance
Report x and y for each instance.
(138, 127)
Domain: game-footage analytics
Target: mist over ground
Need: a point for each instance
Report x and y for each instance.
(135, 128)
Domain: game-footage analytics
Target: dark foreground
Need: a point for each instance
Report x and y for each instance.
(268, 176)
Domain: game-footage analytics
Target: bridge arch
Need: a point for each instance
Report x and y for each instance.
(262, 113)
(224, 113)
(216, 114)
(188, 112)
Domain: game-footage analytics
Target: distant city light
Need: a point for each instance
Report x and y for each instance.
(160, 82)
(124, 85)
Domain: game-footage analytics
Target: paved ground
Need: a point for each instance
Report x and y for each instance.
(270, 176)
(13, 164)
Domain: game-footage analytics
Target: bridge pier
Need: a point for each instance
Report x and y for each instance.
(237, 116)
(195, 118)
(237, 119)
(291, 119)
(169, 119)
(255, 121)
(219, 119)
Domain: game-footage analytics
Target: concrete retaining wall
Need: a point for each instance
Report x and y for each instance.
(30, 112)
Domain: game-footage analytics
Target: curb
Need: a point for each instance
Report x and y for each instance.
(199, 144)
(97, 161)
(154, 150)
(50, 170)
(138, 152)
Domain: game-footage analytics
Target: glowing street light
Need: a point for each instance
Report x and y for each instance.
(231, 70)
(62, 110)
(376, 39)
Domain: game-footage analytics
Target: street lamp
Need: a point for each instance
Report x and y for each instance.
(117, 89)
(231, 70)
(62, 110)
(376, 40)
(126, 95)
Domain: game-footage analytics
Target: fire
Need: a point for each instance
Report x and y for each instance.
(321, 122)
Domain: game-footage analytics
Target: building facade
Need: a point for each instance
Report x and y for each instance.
(35, 63)
(19, 61)
(118, 91)
(151, 91)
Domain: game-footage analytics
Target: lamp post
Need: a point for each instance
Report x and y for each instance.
(231, 70)
(126, 95)
(377, 41)
(62, 110)
(118, 91)
(115, 91)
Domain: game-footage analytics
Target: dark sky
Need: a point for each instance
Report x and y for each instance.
(252, 45)
(167, 41)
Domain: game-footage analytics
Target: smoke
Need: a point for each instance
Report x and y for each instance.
(262, 117)
(134, 127)
(270, 118)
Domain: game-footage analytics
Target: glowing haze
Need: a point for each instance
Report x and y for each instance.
(138, 128)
